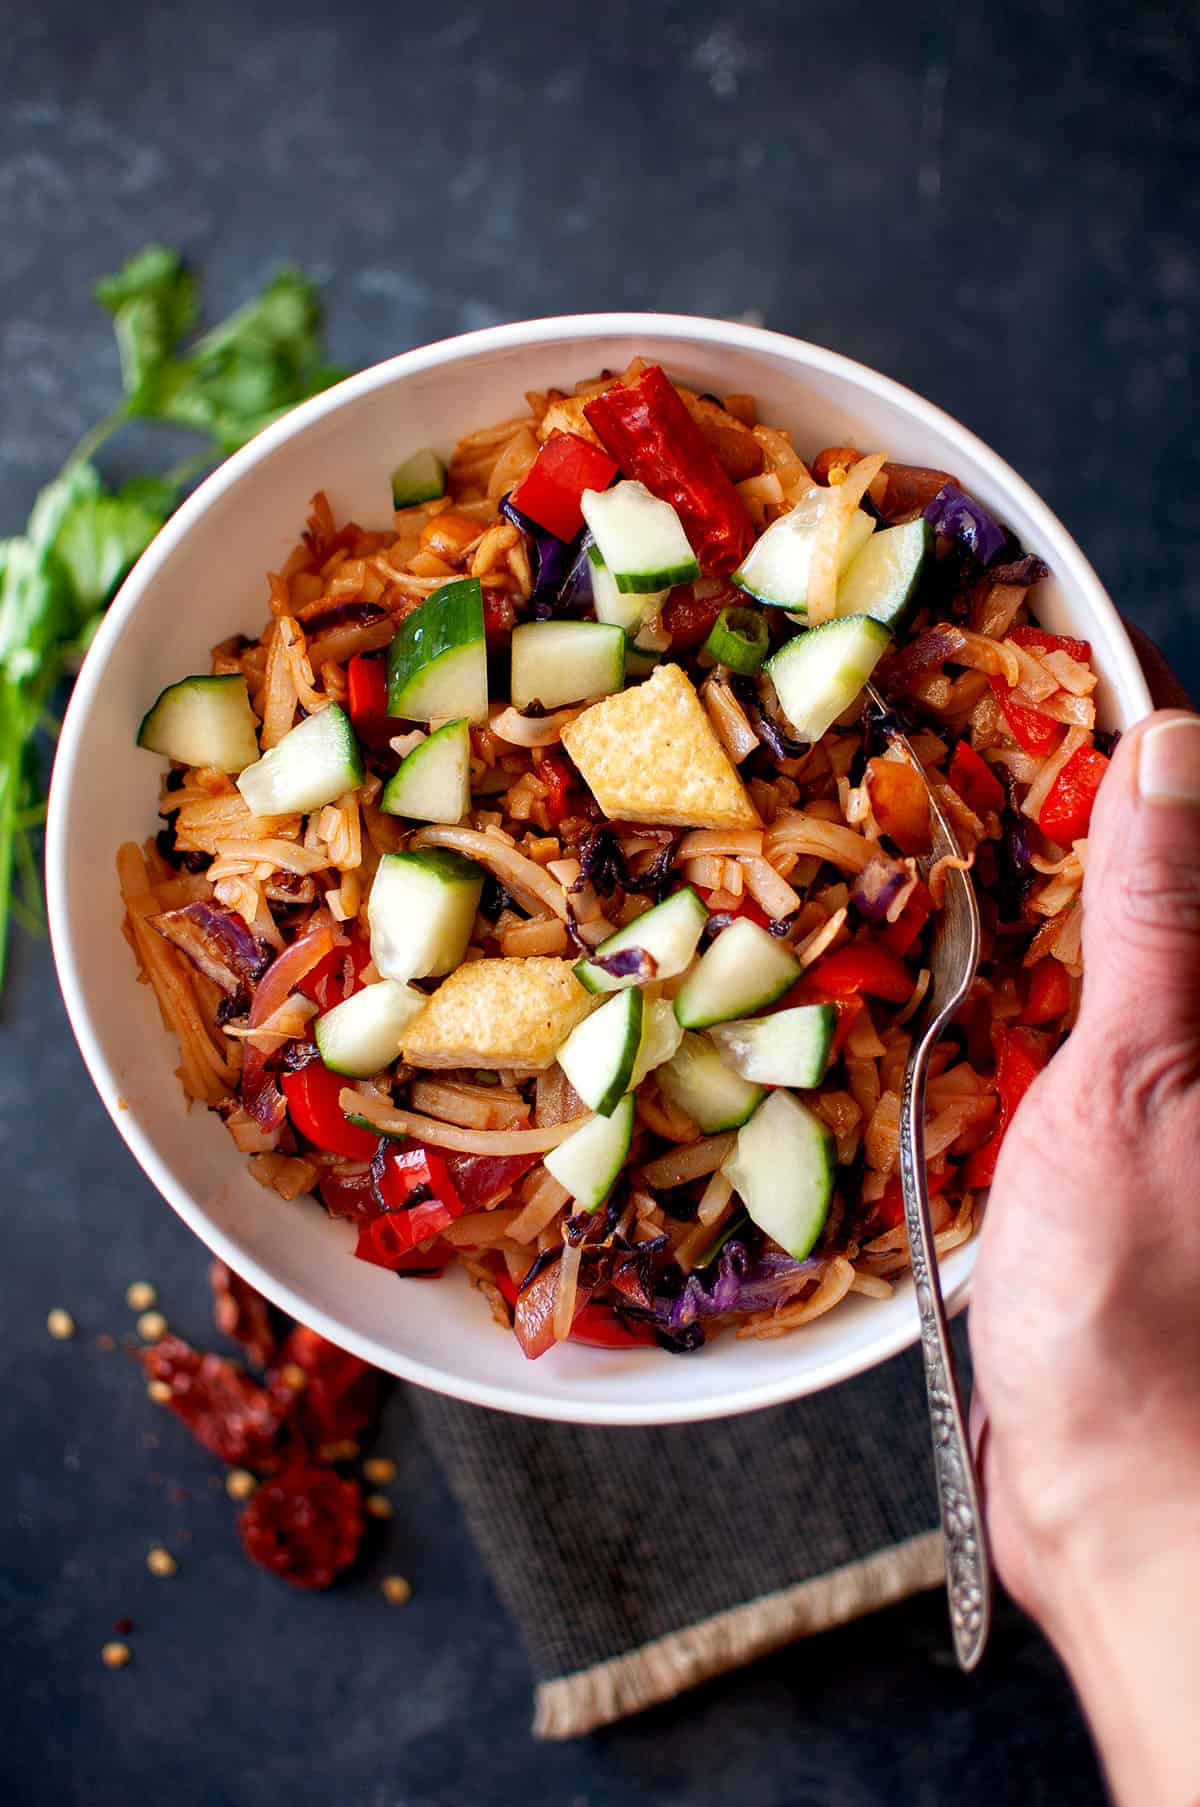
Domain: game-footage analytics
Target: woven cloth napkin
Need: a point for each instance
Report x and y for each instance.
(638, 1563)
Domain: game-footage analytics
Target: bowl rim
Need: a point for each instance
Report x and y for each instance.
(1070, 564)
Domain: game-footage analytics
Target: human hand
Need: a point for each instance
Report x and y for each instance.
(1085, 1324)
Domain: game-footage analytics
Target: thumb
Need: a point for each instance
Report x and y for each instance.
(1141, 923)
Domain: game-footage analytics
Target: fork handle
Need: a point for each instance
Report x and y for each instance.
(968, 1563)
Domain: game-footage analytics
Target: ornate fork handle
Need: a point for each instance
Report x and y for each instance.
(968, 1568)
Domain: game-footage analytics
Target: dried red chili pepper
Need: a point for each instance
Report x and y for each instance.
(304, 1525)
(327, 1396)
(226, 1411)
(240, 1312)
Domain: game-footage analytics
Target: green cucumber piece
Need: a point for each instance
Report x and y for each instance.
(421, 912)
(639, 664)
(790, 1048)
(314, 763)
(883, 579)
(433, 783)
(640, 537)
(421, 478)
(618, 608)
(558, 662)
(782, 1168)
(588, 1164)
(361, 1036)
(745, 969)
(599, 1054)
(661, 1035)
(203, 721)
(739, 639)
(670, 933)
(712, 1094)
(819, 673)
(437, 662)
(775, 570)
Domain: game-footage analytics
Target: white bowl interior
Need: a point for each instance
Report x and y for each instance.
(204, 579)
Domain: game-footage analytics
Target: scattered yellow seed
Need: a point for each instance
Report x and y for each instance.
(60, 1324)
(293, 1376)
(240, 1483)
(152, 1326)
(396, 1590)
(140, 1296)
(159, 1392)
(161, 1562)
(380, 1470)
(345, 1451)
(115, 1656)
(378, 1505)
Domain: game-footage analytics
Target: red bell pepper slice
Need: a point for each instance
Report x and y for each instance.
(900, 803)
(549, 491)
(1032, 731)
(747, 906)
(1020, 1057)
(650, 433)
(890, 1206)
(499, 618)
(1039, 641)
(1049, 996)
(338, 976)
(385, 1242)
(366, 699)
(974, 780)
(559, 778)
(689, 618)
(418, 1174)
(1067, 811)
(863, 966)
(899, 936)
(599, 1327)
(312, 1100)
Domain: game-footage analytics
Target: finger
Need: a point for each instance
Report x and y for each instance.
(1141, 922)
(977, 1423)
(1165, 687)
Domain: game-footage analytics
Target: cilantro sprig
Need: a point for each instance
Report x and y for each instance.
(58, 577)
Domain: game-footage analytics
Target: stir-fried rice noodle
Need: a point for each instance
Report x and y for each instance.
(230, 915)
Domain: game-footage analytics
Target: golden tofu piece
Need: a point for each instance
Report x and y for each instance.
(649, 754)
(498, 1013)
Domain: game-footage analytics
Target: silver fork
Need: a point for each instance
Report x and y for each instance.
(954, 958)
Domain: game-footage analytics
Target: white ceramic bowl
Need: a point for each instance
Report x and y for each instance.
(203, 579)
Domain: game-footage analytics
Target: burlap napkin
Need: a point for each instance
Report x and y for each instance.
(638, 1563)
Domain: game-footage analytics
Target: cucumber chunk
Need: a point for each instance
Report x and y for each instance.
(314, 763)
(589, 1162)
(819, 673)
(437, 663)
(712, 1094)
(361, 1036)
(775, 570)
(621, 609)
(203, 721)
(599, 1054)
(882, 580)
(670, 933)
(433, 783)
(790, 1048)
(745, 969)
(421, 478)
(640, 537)
(782, 1167)
(557, 662)
(661, 1035)
(421, 912)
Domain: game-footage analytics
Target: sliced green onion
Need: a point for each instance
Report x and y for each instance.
(739, 640)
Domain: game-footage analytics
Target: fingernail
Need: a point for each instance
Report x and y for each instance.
(1169, 761)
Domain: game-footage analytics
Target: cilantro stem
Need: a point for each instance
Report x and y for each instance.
(95, 437)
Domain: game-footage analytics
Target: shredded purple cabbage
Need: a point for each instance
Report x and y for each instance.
(738, 1280)
(877, 887)
(1024, 571)
(345, 614)
(217, 942)
(629, 962)
(956, 516)
(562, 581)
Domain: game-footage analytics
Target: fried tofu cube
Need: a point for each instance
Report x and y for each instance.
(649, 754)
(498, 1013)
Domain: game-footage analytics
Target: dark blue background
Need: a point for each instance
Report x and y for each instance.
(986, 202)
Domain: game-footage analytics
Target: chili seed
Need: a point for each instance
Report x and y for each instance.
(380, 1470)
(152, 1326)
(378, 1505)
(396, 1590)
(114, 1655)
(159, 1392)
(240, 1483)
(140, 1296)
(60, 1324)
(161, 1562)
